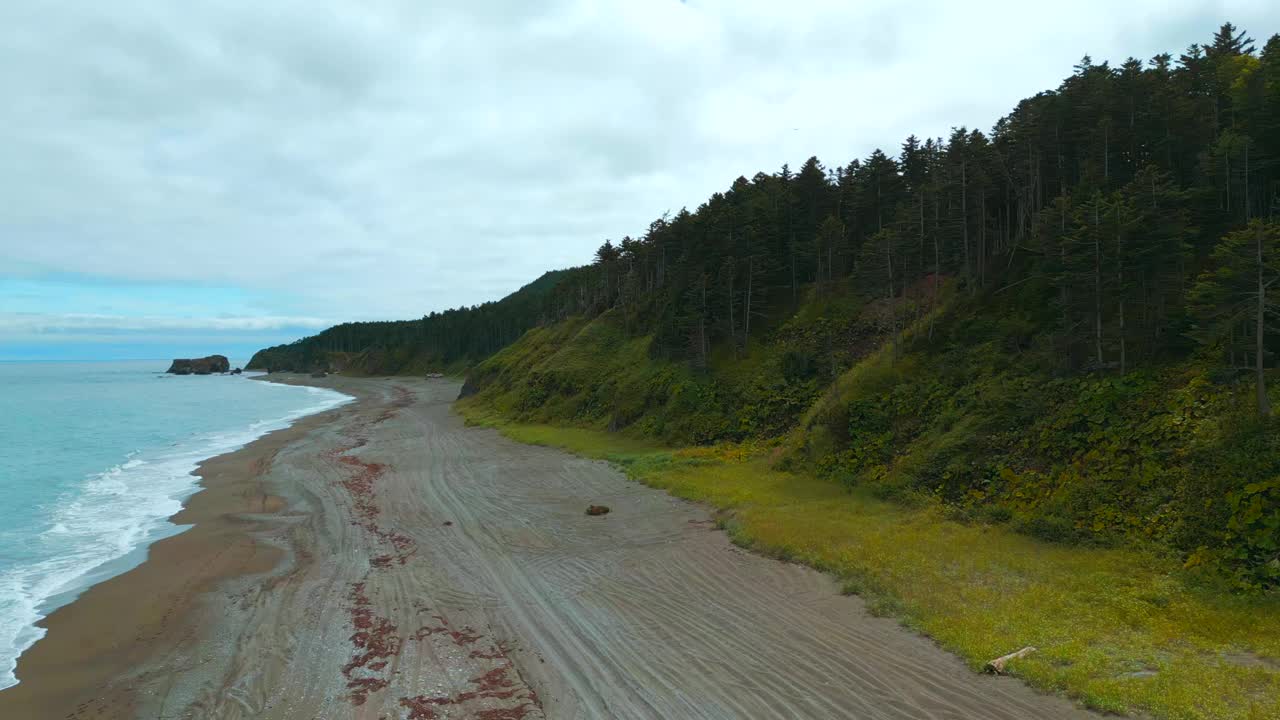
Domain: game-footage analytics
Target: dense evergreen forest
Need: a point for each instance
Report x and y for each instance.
(449, 340)
(1098, 204)
(1066, 323)
(1102, 201)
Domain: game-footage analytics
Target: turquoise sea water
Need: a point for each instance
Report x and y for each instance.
(93, 460)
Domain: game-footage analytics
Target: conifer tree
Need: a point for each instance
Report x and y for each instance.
(1232, 300)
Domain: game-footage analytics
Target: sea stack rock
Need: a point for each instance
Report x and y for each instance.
(200, 366)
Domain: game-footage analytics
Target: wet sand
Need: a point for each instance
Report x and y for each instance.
(381, 560)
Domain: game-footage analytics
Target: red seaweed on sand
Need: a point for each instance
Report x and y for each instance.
(495, 685)
(362, 484)
(375, 640)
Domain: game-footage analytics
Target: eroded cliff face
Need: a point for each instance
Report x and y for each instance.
(200, 366)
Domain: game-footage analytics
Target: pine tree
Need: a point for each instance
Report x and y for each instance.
(1231, 300)
(826, 248)
(1157, 252)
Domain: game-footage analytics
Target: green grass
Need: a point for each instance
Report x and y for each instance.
(615, 447)
(1121, 630)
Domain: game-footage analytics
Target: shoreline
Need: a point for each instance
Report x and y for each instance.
(383, 561)
(159, 479)
(114, 626)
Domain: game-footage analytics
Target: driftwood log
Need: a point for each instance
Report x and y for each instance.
(997, 666)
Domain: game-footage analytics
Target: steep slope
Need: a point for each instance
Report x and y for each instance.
(1055, 324)
(958, 409)
(594, 373)
(451, 340)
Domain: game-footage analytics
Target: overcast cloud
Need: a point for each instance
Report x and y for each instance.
(324, 162)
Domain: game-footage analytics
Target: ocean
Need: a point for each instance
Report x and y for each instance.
(94, 457)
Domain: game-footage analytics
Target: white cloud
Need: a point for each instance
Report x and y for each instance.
(385, 159)
(34, 324)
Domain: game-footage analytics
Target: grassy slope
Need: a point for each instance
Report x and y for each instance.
(1172, 456)
(1122, 626)
(595, 374)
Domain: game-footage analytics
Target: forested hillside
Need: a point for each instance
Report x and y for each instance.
(450, 340)
(1065, 323)
(1098, 204)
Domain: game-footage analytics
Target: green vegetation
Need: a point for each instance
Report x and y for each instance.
(1174, 455)
(594, 374)
(447, 342)
(1121, 629)
(1063, 326)
(1014, 387)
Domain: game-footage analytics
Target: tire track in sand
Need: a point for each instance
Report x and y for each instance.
(440, 572)
(377, 640)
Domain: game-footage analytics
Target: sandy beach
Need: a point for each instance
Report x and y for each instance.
(383, 561)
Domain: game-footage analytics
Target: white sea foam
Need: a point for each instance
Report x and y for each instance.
(112, 514)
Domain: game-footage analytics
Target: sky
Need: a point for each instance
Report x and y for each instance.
(196, 177)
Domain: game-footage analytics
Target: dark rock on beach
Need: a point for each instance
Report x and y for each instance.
(200, 366)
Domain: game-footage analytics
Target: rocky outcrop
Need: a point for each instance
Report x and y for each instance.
(200, 366)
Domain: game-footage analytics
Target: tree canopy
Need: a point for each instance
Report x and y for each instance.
(1101, 201)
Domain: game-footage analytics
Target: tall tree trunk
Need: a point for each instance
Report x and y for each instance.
(1124, 359)
(1106, 150)
(1064, 295)
(1264, 404)
(888, 264)
(964, 222)
(893, 309)
(791, 230)
(733, 332)
(1246, 179)
(1123, 350)
(922, 232)
(982, 241)
(794, 291)
(702, 326)
(746, 314)
(1097, 283)
(1228, 179)
(937, 268)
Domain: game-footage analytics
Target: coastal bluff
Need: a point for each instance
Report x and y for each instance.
(200, 366)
